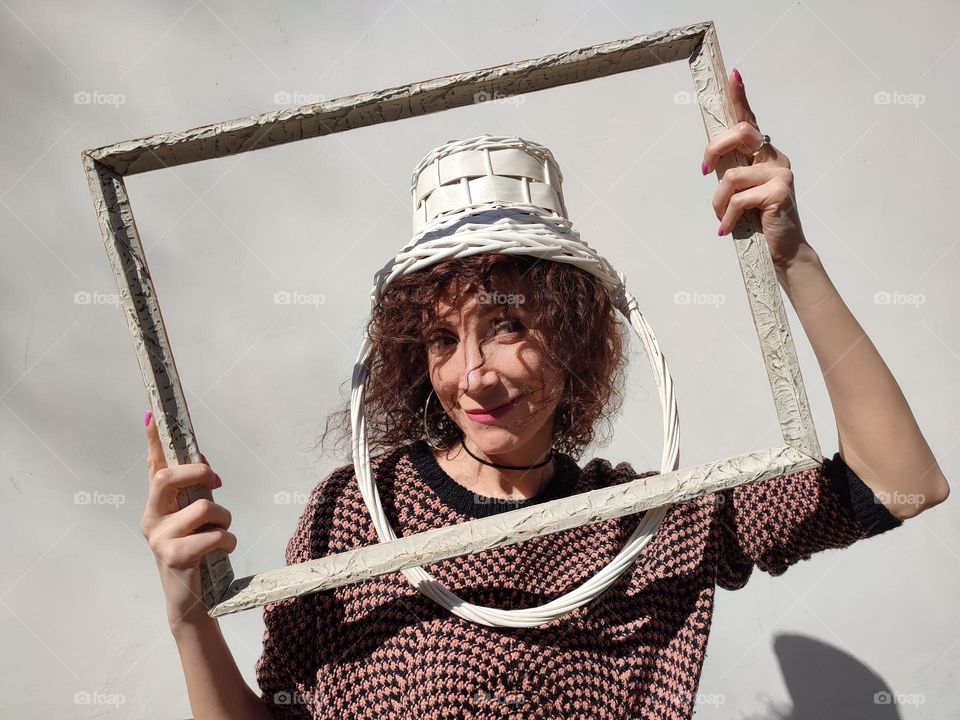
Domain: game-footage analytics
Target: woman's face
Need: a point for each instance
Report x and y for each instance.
(487, 365)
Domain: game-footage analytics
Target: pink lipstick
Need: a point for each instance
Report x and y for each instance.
(488, 416)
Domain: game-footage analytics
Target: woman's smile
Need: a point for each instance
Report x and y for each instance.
(489, 416)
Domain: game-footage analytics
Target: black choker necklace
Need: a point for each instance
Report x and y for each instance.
(507, 467)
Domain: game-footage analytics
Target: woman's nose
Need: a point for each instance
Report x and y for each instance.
(475, 372)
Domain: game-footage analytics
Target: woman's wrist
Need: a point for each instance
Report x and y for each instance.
(804, 258)
(191, 624)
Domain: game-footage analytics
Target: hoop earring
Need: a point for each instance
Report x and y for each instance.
(561, 415)
(426, 430)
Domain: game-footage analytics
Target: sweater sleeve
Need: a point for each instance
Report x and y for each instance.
(287, 668)
(775, 523)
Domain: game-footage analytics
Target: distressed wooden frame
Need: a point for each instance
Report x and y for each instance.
(697, 44)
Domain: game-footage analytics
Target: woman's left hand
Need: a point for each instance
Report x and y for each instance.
(766, 185)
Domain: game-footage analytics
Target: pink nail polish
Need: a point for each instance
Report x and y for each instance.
(736, 74)
(703, 167)
(720, 230)
(219, 481)
(146, 418)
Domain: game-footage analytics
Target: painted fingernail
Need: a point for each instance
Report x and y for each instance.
(146, 418)
(736, 74)
(720, 230)
(217, 478)
(703, 167)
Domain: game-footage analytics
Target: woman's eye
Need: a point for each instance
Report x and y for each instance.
(508, 326)
(438, 340)
(513, 325)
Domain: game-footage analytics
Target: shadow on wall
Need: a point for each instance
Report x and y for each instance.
(825, 682)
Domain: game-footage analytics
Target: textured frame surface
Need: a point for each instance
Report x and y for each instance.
(106, 167)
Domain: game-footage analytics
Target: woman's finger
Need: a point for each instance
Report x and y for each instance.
(155, 457)
(186, 552)
(167, 481)
(773, 193)
(740, 178)
(195, 516)
(743, 137)
(738, 96)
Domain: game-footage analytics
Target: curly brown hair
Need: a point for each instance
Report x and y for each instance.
(571, 309)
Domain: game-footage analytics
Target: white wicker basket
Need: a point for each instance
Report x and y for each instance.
(495, 194)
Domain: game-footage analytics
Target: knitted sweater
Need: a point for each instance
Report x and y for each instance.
(380, 649)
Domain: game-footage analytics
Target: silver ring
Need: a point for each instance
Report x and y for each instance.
(766, 141)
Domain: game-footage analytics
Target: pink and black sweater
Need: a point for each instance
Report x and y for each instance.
(379, 649)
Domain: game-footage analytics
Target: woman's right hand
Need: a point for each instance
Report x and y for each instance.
(180, 537)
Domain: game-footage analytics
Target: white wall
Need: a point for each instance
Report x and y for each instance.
(80, 602)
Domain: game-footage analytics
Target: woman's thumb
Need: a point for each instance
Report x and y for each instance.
(155, 457)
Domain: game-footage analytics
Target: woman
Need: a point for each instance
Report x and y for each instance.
(481, 396)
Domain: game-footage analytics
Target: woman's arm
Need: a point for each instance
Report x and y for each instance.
(878, 435)
(214, 684)
(179, 538)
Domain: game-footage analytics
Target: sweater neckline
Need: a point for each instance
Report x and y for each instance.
(475, 505)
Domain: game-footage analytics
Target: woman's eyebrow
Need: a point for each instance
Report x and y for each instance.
(489, 310)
